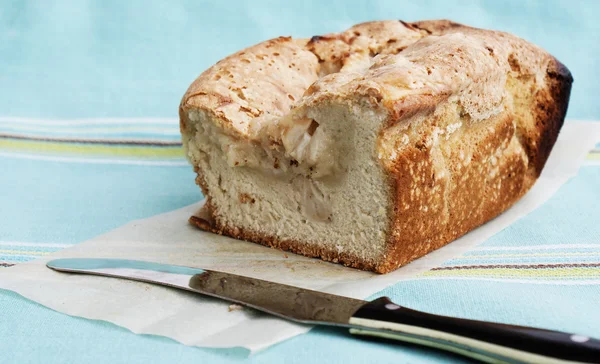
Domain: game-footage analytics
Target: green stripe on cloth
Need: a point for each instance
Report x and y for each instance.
(541, 272)
(87, 149)
(108, 141)
(12, 252)
(593, 155)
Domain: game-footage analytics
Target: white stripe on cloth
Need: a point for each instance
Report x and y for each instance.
(536, 247)
(561, 282)
(119, 140)
(45, 245)
(6, 258)
(174, 163)
(174, 130)
(501, 265)
(90, 121)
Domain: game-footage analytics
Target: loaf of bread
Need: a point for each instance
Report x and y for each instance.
(374, 146)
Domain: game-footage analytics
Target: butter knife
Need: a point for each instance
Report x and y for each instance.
(485, 341)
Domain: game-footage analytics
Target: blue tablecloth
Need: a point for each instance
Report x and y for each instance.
(125, 62)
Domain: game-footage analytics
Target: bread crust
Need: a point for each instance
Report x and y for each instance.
(415, 233)
(439, 191)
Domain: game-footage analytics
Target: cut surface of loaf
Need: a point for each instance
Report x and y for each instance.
(374, 146)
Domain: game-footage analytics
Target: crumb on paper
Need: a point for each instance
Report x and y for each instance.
(235, 307)
(285, 255)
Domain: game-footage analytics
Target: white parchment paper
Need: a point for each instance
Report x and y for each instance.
(196, 320)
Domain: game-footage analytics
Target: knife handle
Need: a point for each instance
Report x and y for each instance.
(485, 341)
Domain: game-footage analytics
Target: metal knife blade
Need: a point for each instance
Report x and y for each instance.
(289, 302)
(163, 274)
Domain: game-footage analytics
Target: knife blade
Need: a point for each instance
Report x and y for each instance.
(485, 341)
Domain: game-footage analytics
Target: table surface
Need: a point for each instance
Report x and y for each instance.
(126, 62)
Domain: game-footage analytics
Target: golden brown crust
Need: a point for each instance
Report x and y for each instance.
(477, 176)
(510, 95)
(343, 51)
(550, 110)
(525, 136)
(259, 82)
(539, 129)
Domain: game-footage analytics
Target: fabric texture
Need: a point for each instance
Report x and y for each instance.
(89, 141)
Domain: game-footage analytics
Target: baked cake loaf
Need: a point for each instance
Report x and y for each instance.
(374, 146)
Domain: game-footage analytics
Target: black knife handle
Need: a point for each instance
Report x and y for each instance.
(485, 341)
